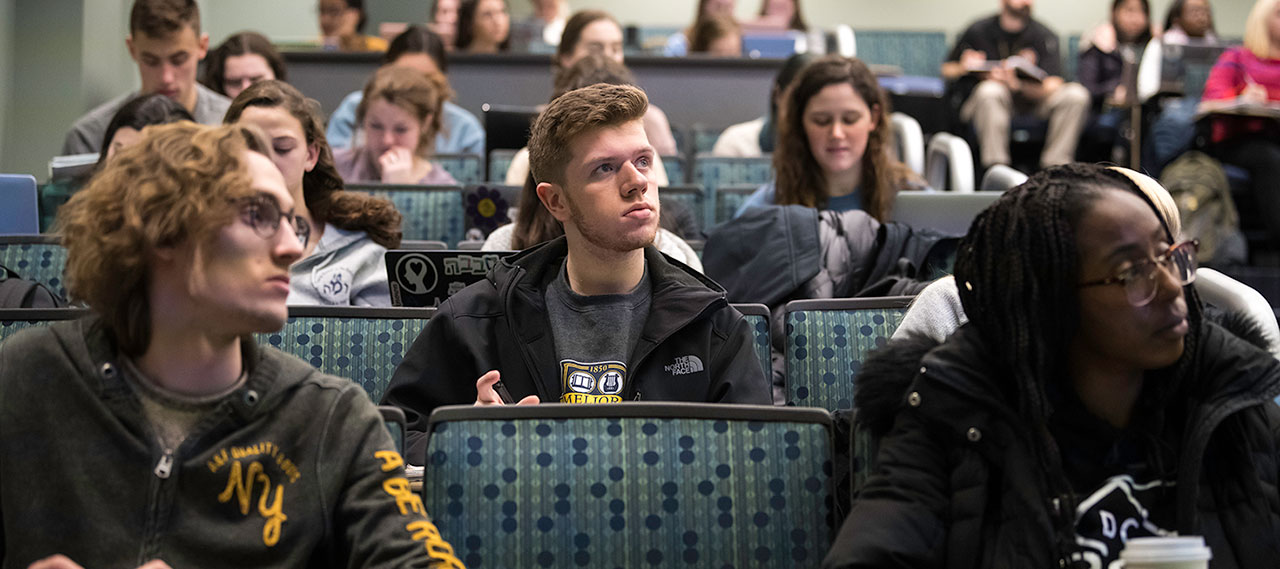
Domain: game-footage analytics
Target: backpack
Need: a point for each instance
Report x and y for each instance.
(1199, 187)
(16, 292)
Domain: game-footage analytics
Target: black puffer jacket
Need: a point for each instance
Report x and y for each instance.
(957, 484)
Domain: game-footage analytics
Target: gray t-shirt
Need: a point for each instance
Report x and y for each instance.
(594, 337)
(85, 136)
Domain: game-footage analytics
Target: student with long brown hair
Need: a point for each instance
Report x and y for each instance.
(834, 143)
(342, 261)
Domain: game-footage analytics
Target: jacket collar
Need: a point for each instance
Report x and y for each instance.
(680, 297)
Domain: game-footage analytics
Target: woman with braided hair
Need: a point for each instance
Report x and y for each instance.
(1085, 403)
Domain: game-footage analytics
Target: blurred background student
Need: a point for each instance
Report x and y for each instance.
(1251, 75)
(344, 234)
(1109, 55)
(541, 31)
(342, 27)
(421, 49)
(483, 26)
(1189, 22)
(678, 43)
(757, 137)
(834, 144)
(717, 37)
(595, 31)
(399, 116)
(444, 21)
(243, 59)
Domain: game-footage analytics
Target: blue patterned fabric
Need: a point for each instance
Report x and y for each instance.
(465, 168)
(1071, 58)
(917, 53)
(729, 199)
(704, 138)
(365, 350)
(826, 348)
(631, 492)
(674, 166)
(714, 172)
(760, 332)
(40, 262)
(430, 214)
(691, 197)
(499, 162)
(11, 327)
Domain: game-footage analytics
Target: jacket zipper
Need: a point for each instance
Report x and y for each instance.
(165, 466)
(162, 471)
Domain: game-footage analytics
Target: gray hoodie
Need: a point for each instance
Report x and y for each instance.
(346, 268)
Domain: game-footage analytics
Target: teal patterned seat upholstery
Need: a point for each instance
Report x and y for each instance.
(431, 213)
(704, 138)
(827, 341)
(917, 53)
(674, 166)
(714, 172)
(631, 485)
(362, 344)
(36, 258)
(1071, 57)
(499, 162)
(465, 168)
(691, 197)
(13, 320)
(758, 316)
(729, 199)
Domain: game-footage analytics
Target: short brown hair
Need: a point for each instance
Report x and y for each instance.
(243, 43)
(574, 113)
(174, 186)
(159, 18)
(415, 92)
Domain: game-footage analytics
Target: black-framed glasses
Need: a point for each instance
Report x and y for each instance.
(1139, 278)
(262, 212)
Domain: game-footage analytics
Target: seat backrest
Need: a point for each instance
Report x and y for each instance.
(362, 344)
(729, 198)
(714, 172)
(631, 485)
(465, 168)
(499, 162)
(20, 213)
(704, 137)
(827, 341)
(758, 316)
(675, 170)
(14, 319)
(916, 52)
(38, 258)
(691, 197)
(431, 213)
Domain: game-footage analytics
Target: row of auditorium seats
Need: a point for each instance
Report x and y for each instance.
(826, 341)
(643, 484)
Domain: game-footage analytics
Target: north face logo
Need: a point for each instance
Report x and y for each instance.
(684, 365)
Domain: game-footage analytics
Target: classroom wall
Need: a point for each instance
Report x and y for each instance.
(6, 63)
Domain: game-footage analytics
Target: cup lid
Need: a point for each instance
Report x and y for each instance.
(1155, 549)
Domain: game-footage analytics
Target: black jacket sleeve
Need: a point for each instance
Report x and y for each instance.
(897, 517)
(437, 370)
(736, 375)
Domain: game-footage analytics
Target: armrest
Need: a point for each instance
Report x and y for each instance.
(1000, 178)
(909, 139)
(948, 163)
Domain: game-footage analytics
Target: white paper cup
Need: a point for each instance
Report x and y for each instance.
(1188, 552)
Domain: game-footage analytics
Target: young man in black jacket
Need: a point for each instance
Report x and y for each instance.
(156, 430)
(596, 316)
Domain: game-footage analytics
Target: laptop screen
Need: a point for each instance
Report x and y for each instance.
(427, 278)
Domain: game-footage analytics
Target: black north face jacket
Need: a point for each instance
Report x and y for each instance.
(694, 347)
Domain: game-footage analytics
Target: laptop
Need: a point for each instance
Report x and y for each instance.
(946, 212)
(19, 214)
(1184, 68)
(427, 278)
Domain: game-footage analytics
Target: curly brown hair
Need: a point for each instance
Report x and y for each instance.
(799, 178)
(174, 186)
(322, 187)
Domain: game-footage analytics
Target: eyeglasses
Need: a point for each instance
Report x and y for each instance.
(262, 212)
(1139, 278)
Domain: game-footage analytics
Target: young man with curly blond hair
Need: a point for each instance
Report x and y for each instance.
(596, 316)
(156, 430)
